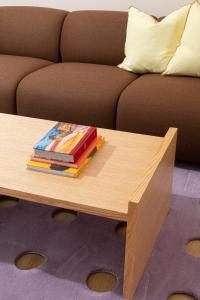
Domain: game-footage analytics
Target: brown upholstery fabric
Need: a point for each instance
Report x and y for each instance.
(153, 103)
(73, 92)
(31, 31)
(12, 70)
(94, 37)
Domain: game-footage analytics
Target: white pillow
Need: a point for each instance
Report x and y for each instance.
(150, 44)
(186, 60)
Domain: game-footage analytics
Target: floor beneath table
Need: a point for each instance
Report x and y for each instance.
(72, 250)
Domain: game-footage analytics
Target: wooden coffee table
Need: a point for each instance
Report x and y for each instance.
(129, 179)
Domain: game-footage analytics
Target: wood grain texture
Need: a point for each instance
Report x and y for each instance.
(101, 281)
(29, 260)
(147, 211)
(104, 188)
(181, 296)
(193, 247)
(6, 202)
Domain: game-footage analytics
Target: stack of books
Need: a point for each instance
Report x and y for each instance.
(65, 149)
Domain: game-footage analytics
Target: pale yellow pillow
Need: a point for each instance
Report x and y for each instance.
(186, 60)
(151, 44)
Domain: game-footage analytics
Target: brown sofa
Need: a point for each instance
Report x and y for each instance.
(62, 66)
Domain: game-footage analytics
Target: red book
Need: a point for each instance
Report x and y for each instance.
(65, 142)
(87, 154)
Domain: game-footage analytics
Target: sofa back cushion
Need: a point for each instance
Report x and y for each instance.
(94, 37)
(31, 31)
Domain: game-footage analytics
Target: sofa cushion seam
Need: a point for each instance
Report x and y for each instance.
(23, 77)
(118, 99)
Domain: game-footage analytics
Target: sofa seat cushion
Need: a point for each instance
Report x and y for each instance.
(12, 70)
(73, 92)
(153, 103)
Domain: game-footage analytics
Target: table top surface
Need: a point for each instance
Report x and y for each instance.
(105, 186)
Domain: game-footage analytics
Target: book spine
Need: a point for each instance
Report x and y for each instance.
(85, 143)
(55, 162)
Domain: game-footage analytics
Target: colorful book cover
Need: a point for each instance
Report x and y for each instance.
(92, 148)
(63, 170)
(65, 140)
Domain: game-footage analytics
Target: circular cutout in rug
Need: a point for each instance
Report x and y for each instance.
(121, 230)
(29, 260)
(101, 281)
(193, 247)
(181, 296)
(64, 215)
(6, 202)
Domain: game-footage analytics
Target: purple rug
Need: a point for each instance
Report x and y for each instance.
(73, 250)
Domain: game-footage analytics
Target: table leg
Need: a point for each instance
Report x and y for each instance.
(147, 213)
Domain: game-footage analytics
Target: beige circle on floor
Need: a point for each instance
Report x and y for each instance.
(121, 230)
(181, 296)
(64, 215)
(101, 281)
(193, 247)
(6, 202)
(29, 260)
